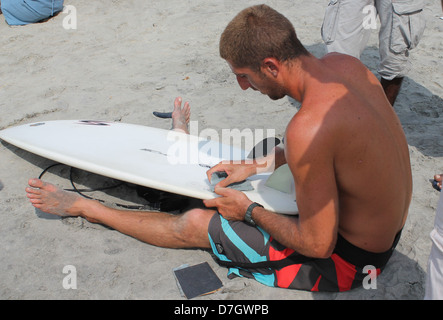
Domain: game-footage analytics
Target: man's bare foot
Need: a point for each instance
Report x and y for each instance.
(181, 116)
(50, 199)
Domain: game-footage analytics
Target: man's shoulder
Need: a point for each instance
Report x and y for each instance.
(340, 61)
(311, 121)
(307, 137)
(338, 57)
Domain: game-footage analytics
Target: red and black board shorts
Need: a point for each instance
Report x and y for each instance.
(251, 252)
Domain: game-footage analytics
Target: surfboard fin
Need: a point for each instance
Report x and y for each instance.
(281, 179)
(262, 148)
(163, 115)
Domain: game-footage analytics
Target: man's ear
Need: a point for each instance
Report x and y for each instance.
(271, 67)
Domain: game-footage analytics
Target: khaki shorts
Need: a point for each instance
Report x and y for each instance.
(348, 23)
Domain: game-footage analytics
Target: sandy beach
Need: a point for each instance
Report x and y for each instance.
(127, 59)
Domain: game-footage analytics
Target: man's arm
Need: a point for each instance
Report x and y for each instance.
(309, 150)
(314, 232)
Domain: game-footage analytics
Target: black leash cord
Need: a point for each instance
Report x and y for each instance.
(132, 207)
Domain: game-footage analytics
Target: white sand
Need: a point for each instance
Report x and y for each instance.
(129, 58)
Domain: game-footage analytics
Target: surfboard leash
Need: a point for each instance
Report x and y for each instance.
(80, 192)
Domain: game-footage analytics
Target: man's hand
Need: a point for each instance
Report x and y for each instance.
(437, 183)
(236, 172)
(232, 204)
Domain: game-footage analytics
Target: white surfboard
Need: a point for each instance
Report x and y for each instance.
(152, 157)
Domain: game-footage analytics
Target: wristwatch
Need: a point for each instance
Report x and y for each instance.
(248, 215)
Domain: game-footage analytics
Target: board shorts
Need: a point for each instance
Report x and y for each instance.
(250, 252)
(21, 12)
(347, 26)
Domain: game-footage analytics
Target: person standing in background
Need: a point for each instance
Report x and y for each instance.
(347, 26)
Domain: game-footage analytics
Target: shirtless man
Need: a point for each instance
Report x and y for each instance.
(345, 148)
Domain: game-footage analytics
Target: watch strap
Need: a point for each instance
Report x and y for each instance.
(248, 215)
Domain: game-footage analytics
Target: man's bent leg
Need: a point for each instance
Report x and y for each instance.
(251, 252)
(157, 228)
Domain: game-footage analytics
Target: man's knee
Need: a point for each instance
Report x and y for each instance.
(193, 227)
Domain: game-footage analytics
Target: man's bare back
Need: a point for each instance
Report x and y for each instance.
(347, 118)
